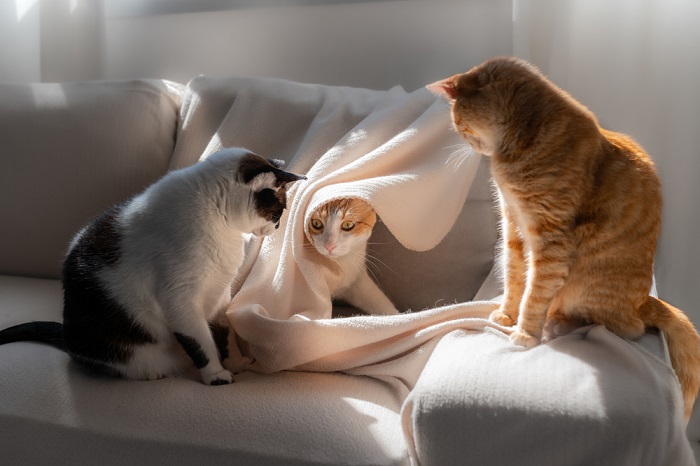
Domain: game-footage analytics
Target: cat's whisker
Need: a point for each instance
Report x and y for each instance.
(371, 258)
(459, 156)
(373, 270)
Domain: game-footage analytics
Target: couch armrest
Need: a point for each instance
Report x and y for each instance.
(589, 397)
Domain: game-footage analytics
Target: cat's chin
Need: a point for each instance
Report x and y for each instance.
(333, 255)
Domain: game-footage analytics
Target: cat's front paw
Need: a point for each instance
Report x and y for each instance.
(223, 377)
(526, 340)
(500, 318)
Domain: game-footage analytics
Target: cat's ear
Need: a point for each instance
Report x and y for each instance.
(261, 173)
(277, 163)
(282, 177)
(444, 88)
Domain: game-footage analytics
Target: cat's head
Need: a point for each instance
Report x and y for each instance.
(264, 196)
(338, 226)
(268, 184)
(494, 100)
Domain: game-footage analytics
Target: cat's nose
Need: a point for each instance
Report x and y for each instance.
(330, 247)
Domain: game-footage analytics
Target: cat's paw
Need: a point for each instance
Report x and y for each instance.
(526, 340)
(501, 319)
(223, 377)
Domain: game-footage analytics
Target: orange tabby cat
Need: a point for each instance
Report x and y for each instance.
(339, 230)
(581, 212)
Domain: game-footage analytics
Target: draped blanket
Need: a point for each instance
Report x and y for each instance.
(394, 150)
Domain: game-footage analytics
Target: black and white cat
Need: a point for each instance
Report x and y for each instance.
(154, 272)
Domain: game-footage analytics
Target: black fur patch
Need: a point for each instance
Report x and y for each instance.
(220, 334)
(193, 349)
(252, 165)
(219, 382)
(269, 206)
(96, 328)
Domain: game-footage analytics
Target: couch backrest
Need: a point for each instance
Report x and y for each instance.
(67, 152)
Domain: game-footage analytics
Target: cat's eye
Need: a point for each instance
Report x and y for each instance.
(347, 226)
(316, 224)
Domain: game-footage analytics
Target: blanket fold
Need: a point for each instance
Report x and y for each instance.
(390, 148)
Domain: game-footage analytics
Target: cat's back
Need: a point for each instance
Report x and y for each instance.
(96, 246)
(178, 206)
(619, 221)
(622, 146)
(627, 174)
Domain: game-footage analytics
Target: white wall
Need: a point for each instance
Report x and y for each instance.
(71, 40)
(375, 45)
(50, 40)
(20, 59)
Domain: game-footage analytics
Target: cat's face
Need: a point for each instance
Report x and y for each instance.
(487, 100)
(339, 226)
(267, 183)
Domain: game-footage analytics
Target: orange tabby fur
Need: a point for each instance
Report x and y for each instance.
(581, 212)
(351, 209)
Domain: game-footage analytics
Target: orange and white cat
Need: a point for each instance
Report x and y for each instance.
(339, 230)
(581, 212)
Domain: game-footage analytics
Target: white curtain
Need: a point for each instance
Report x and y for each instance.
(636, 64)
(50, 40)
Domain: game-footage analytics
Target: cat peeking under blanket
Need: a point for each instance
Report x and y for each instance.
(148, 277)
(581, 212)
(339, 230)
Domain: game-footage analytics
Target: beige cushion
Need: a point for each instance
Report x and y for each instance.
(51, 412)
(68, 152)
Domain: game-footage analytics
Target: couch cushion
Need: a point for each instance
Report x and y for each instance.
(71, 150)
(51, 409)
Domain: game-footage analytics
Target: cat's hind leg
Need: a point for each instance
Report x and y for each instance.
(152, 361)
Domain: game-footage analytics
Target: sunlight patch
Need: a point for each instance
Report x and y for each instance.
(22, 7)
(49, 95)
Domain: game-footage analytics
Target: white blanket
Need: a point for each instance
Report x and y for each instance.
(392, 149)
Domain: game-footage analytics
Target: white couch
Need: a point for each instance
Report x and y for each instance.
(70, 150)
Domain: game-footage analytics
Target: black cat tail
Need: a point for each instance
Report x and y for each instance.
(44, 332)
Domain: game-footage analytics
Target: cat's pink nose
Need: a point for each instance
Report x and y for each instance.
(330, 247)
